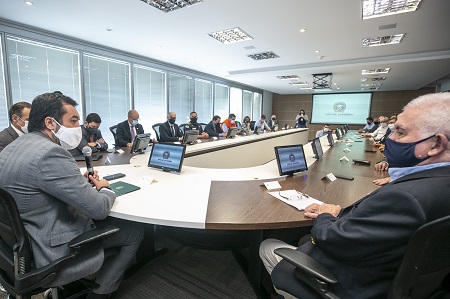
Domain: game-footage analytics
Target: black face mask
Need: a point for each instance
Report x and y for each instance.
(273, 118)
(171, 121)
(92, 131)
(376, 122)
(194, 120)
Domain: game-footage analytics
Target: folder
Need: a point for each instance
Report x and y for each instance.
(121, 188)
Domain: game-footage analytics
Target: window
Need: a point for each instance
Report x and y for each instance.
(150, 96)
(181, 96)
(37, 68)
(257, 106)
(247, 100)
(236, 102)
(203, 100)
(4, 121)
(221, 101)
(107, 88)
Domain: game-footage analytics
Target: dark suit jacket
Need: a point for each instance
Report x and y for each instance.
(123, 134)
(85, 139)
(364, 246)
(210, 129)
(165, 133)
(7, 136)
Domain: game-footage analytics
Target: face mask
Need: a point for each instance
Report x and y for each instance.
(25, 127)
(391, 126)
(273, 118)
(376, 122)
(232, 121)
(401, 154)
(171, 121)
(368, 122)
(326, 130)
(301, 112)
(194, 120)
(383, 125)
(92, 131)
(69, 138)
(135, 122)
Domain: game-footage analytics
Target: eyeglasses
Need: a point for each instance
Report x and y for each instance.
(293, 195)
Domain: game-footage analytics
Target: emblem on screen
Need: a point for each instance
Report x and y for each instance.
(292, 157)
(339, 107)
(166, 155)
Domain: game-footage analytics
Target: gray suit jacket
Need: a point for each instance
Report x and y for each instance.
(55, 201)
(7, 136)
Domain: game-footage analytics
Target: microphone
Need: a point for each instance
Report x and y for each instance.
(87, 152)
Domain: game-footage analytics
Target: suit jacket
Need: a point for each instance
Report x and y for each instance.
(364, 246)
(55, 201)
(210, 129)
(7, 136)
(85, 139)
(165, 133)
(123, 134)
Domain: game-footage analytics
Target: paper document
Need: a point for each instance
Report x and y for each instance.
(294, 198)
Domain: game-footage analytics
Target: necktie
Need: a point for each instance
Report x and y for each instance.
(132, 133)
(173, 131)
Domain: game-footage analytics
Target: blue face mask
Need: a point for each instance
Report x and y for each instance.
(401, 154)
(135, 122)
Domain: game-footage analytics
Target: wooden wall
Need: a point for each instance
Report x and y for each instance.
(286, 107)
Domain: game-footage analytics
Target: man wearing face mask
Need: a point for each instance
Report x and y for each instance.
(127, 130)
(273, 123)
(18, 116)
(324, 131)
(363, 244)
(381, 130)
(169, 131)
(369, 127)
(301, 119)
(57, 203)
(194, 125)
(230, 122)
(91, 136)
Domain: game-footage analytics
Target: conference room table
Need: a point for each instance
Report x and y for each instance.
(230, 199)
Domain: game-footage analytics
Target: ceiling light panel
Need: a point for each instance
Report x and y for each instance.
(288, 77)
(170, 5)
(230, 36)
(264, 55)
(371, 85)
(299, 83)
(382, 40)
(376, 71)
(373, 79)
(380, 8)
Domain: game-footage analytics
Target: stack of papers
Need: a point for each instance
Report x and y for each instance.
(294, 198)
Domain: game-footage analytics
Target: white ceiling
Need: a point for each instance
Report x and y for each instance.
(333, 27)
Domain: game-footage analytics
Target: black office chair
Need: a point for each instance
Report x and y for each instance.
(238, 125)
(155, 128)
(423, 273)
(17, 276)
(252, 125)
(182, 128)
(203, 126)
(113, 130)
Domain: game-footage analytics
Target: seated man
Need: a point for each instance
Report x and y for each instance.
(91, 136)
(169, 131)
(18, 116)
(261, 125)
(127, 130)
(363, 244)
(273, 123)
(194, 125)
(57, 203)
(213, 128)
(230, 122)
(369, 127)
(324, 131)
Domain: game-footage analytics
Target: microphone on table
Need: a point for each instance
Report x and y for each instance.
(87, 153)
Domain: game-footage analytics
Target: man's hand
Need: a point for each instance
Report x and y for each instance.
(381, 182)
(101, 140)
(129, 144)
(382, 166)
(98, 183)
(314, 210)
(95, 176)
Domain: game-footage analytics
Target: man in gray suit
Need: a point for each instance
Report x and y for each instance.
(18, 116)
(57, 203)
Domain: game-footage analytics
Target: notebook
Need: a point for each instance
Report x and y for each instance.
(121, 188)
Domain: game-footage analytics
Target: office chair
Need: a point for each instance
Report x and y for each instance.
(182, 128)
(17, 276)
(203, 126)
(155, 128)
(113, 130)
(252, 125)
(238, 125)
(423, 273)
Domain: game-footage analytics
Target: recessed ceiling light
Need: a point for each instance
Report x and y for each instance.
(317, 51)
(381, 8)
(168, 6)
(263, 55)
(382, 40)
(288, 77)
(373, 79)
(230, 36)
(108, 29)
(29, 2)
(299, 83)
(376, 71)
(302, 30)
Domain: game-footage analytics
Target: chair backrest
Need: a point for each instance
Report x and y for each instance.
(425, 267)
(182, 128)
(203, 126)
(155, 128)
(238, 125)
(113, 130)
(252, 125)
(13, 239)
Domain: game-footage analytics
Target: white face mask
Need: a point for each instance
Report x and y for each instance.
(135, 122)
(391, 126)
(25, 127)
(232, 121)
(383, 125)
(69, 138)
(326, 129)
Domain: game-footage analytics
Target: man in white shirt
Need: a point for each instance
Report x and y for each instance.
(381, 130)
(324, 131)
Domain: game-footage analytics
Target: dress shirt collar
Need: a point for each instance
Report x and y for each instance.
(19, 132)
(396, 173)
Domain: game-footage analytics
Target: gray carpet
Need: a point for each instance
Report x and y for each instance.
(184, 273)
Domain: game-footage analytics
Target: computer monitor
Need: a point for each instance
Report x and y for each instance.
(343, 129)
(346, 128)
(140, 143)
(317, 148)
(232, 132)
(290, 159)
(167, 157)
(190, 136)
(330, 138)
(338, 134)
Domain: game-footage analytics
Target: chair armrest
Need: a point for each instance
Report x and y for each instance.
(92, 235)
(306, 264)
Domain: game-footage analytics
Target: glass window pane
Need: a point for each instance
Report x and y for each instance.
(37, 68)
(4, 121)
(247, 99)
(221, 101)
(203, 100)
(150, 96)
(181, 97)
(107, 87)
(257, 106)
(236, 102)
